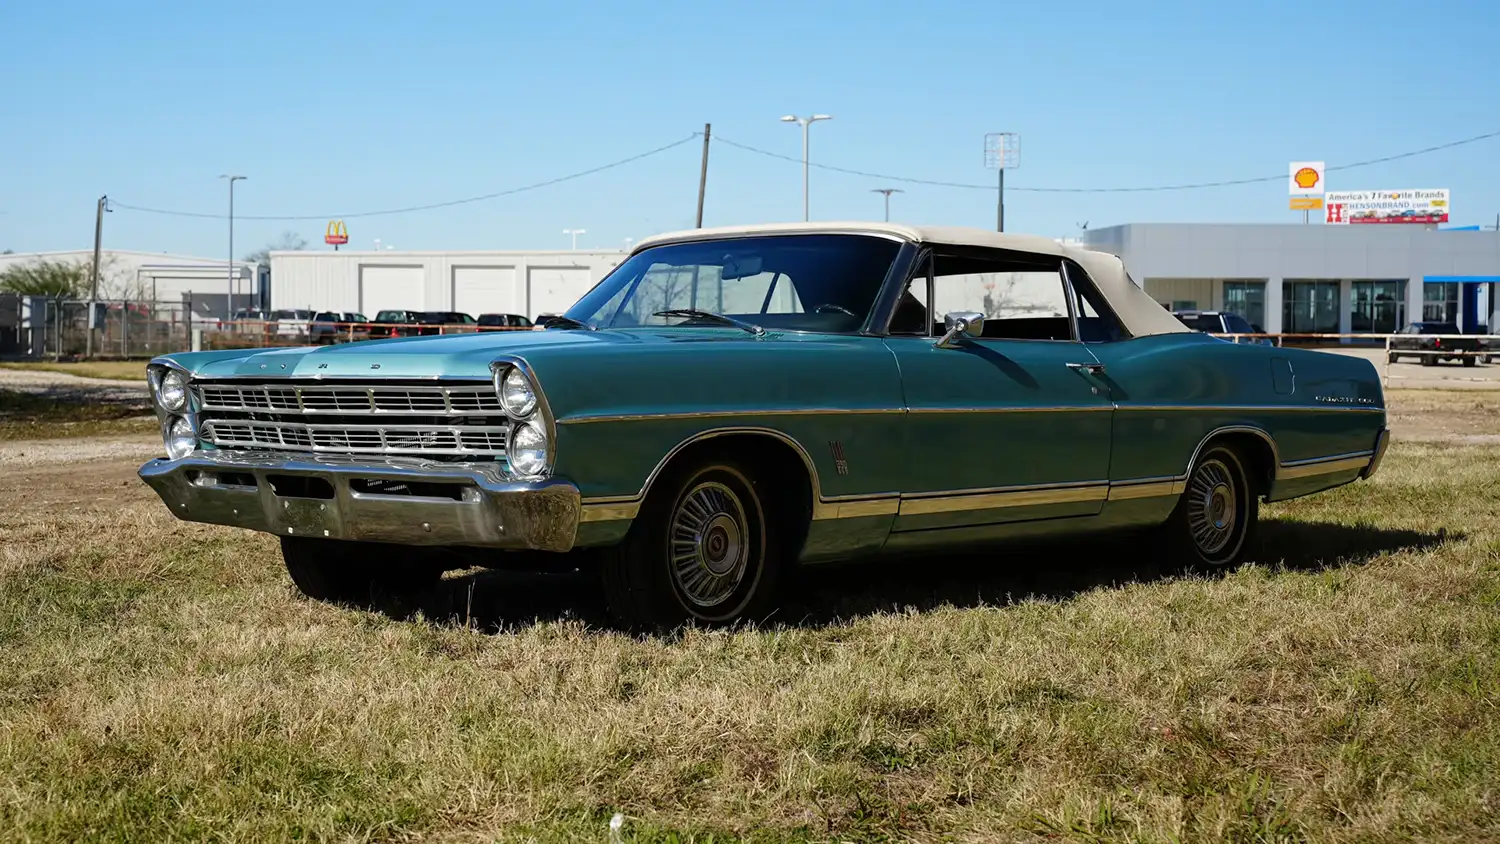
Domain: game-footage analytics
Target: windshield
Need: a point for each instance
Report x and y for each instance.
(825, 283)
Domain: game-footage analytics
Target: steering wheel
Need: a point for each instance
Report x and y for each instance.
(829, 306)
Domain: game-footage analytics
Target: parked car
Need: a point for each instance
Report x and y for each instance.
(395, 323)
(338, 327)
(445, 322)
(1416, 341)
(1223, 322)
(291, 323)
(499, 321)
(1489, 344)
(824, 410)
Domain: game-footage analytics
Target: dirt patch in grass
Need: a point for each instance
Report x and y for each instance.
(30, 416)
(110, 370)
(1471, 416)
(163, 681)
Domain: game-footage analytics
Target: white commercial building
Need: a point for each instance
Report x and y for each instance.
(477, 282)
(167, 280)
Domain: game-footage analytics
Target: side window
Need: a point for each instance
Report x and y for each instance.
(1237, 324)
(1021, 298)
(1097, 323)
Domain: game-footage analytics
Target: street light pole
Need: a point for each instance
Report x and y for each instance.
(887, 192)
(232, 180)
(575, 233)
(806, 123)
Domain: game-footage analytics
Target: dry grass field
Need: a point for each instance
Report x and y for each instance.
(113, 370)
(161, 681)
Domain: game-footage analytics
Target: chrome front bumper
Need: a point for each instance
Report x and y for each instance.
(337, 498)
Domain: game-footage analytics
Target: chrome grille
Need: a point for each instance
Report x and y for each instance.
(477, 398)
(357, 439)
(455, 421)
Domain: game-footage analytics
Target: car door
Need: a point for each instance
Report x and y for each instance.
(1008, 426)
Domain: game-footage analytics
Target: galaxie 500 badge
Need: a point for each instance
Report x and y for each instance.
(1343, 399)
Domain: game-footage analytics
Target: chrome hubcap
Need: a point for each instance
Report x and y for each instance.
(1212, 507)
(710, 544)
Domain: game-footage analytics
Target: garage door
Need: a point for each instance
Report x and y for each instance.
(485, 290)
(391, 288)
(553, 291)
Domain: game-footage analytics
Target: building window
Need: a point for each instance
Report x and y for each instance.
(1440, 301)
(1184, 304)
(1310, 307)
(1379, 307)
(1246, 298)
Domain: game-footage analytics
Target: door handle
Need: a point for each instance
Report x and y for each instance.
(1090, 368)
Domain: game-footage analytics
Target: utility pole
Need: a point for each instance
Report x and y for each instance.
(232, 180)
(703, 173)
(887, 192)
(1002, 151)
(94, 282)
(805, 123)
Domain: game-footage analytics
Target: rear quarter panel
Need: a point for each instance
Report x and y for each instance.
(1172, 391)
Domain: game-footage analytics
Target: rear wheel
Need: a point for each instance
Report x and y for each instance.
(702, 550)
(355, 572)
(1470, 361)
(1429, 360)
(1215, 520)
(1392, 357)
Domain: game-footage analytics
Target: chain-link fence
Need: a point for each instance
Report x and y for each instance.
(44, 328)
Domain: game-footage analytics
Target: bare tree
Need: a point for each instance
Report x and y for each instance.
(289, 241)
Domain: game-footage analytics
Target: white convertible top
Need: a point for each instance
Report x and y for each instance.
(1140, 313)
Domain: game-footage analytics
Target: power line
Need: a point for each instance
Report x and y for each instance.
(1227, 183)
(508, 192)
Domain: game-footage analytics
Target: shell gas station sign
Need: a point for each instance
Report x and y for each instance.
(1305, 184)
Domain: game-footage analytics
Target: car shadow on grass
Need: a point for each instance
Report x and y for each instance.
(835, 593)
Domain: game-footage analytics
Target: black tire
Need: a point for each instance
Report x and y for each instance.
(1214, 524)
(714, 512)
(1392, 357)
(1429, 360)
(1471, 361)
(355, 572)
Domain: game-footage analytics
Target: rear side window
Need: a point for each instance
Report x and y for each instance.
(1237, 324)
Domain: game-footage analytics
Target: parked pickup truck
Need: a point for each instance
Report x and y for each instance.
(1432, 342)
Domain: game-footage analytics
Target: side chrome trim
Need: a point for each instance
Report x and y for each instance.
(1244, 408)
(728, 414)
(1025, 496)
(1235, 429)
(1353, 461)
(1072, 408)
(1147, 488)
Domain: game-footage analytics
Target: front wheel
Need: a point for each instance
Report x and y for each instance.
(1392, 357)
(1471, 361)
(702, 550)
(353, 572)
(1215, 520)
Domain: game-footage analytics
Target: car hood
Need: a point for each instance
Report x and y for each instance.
(452, 356)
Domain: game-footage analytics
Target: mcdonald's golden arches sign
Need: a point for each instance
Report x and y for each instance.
(337, 233)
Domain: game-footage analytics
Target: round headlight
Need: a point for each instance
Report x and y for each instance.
(527, 449)
(172, 392)
(181, 440)
(516, 395)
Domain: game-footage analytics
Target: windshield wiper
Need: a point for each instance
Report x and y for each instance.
(710, 315)
(561, 321)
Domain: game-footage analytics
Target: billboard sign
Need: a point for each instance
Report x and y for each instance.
(1307, 203)
(1347, 207)
(1305, 178)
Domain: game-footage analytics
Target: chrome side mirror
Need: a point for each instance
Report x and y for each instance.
(966, 323)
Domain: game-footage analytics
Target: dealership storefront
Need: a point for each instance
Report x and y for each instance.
(1315, 279)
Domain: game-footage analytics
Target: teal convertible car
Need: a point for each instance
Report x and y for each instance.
(728, 403)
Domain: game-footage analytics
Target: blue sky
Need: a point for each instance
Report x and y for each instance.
(359, 106)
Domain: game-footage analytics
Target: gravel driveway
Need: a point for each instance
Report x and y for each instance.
(71, 388)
